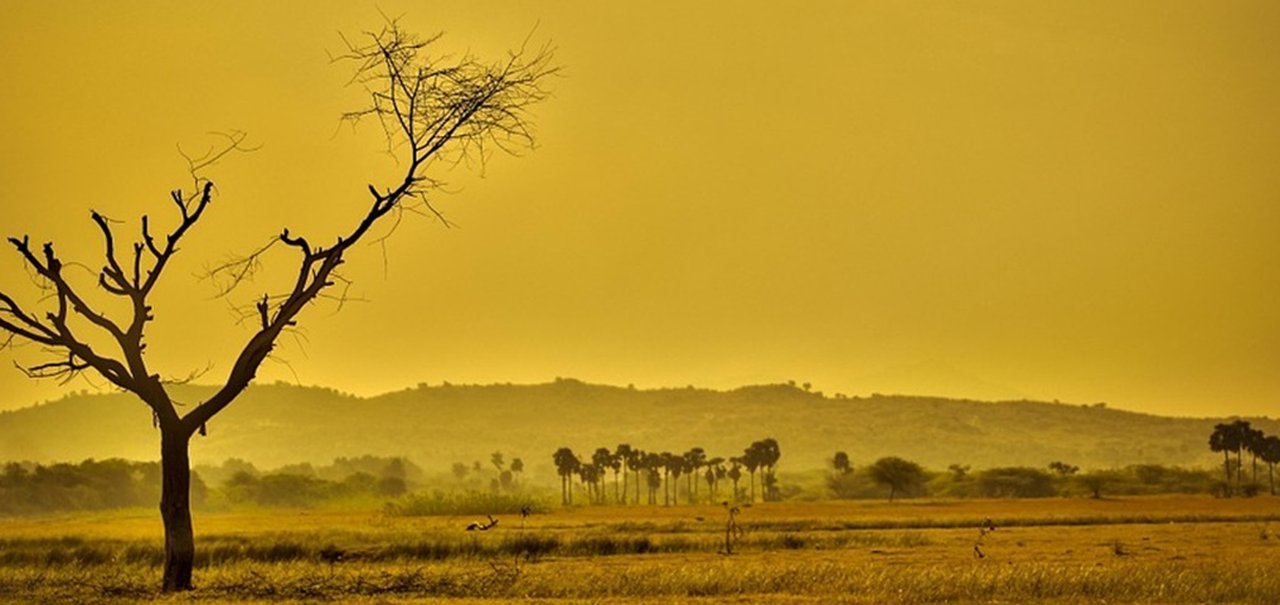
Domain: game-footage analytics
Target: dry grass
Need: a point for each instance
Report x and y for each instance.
(1141, 550)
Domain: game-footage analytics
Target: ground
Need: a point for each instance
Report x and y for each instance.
(1174, 549)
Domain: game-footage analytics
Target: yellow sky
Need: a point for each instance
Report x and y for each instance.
(1072, 200)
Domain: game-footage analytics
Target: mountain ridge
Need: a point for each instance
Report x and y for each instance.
(435, 426)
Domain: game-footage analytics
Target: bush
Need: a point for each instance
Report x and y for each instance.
(1015, 482)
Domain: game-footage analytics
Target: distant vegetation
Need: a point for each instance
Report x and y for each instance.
(1240, 437)
(662, 471)
(625, 476)
(439, 425)
(90, 485)
(27, 488)
(894, 448)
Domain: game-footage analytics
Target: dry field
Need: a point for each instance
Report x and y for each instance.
(1132, 550)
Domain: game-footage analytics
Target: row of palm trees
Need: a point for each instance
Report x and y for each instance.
(633, 468)
(1239, 437)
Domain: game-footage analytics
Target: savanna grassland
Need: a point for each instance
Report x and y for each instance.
(1174, 549)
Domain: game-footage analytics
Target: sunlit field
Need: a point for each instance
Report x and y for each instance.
(1133, 550)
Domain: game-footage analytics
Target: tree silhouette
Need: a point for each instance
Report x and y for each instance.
(1239, 438)
(693, 461)
(715, 472)
(1235, 436)
(624, 455)
(1269, 451)
(602, 459)
(675, 466)
(751, 460)
(654, 478)
(1063, 469)
(897, 474)
(590, 475)
(769, 453)
(1223, 440)
(566, 465)
(517, 469)
(1252, 441)
(840, 462)
(636, 464)
(735, 474)
(434, 112)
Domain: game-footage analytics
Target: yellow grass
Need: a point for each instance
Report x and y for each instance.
(1134, 550)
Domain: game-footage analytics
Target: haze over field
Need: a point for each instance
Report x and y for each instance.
(1073, 201)
(439, 425)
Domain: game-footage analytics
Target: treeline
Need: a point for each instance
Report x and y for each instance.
(1239, 437)
(893, 477)
(661, 471)
(27, 488)
(304, 485)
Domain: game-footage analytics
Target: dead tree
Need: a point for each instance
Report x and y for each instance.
(432, 110)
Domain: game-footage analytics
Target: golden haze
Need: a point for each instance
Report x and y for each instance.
(1053, 200)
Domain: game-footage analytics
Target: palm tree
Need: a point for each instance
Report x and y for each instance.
(517, 470)
(654, 479)
(715, 468)
(566, 465)
(1270, 453)
(735, 474)
(675, 466)
(590, 475)
(635, 463)
(1252, 440)
(460, 471)
(693, 461)
(1220, 440)
(603, 459)
(751, 460)
(770, 453)
(1240, 431)
(623, 454)
(653, 464)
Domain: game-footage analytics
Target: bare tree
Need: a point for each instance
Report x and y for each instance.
(432, 110)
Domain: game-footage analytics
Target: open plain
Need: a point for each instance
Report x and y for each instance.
(1175, 549)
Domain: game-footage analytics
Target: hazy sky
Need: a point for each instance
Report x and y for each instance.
(1057, 200)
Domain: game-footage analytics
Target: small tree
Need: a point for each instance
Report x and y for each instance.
(840, 463)
(432, 111)
(900, 476)
(1095, 482)
(1063, 469)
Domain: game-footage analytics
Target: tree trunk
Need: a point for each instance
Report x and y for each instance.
(175, 510)
(1239, 466)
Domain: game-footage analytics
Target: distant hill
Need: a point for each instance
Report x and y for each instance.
(436, 426)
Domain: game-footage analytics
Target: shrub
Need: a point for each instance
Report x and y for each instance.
(1015, 482)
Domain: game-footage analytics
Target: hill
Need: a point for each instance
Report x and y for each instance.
(436, 426)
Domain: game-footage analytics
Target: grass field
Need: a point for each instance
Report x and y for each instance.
(1133, 550)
